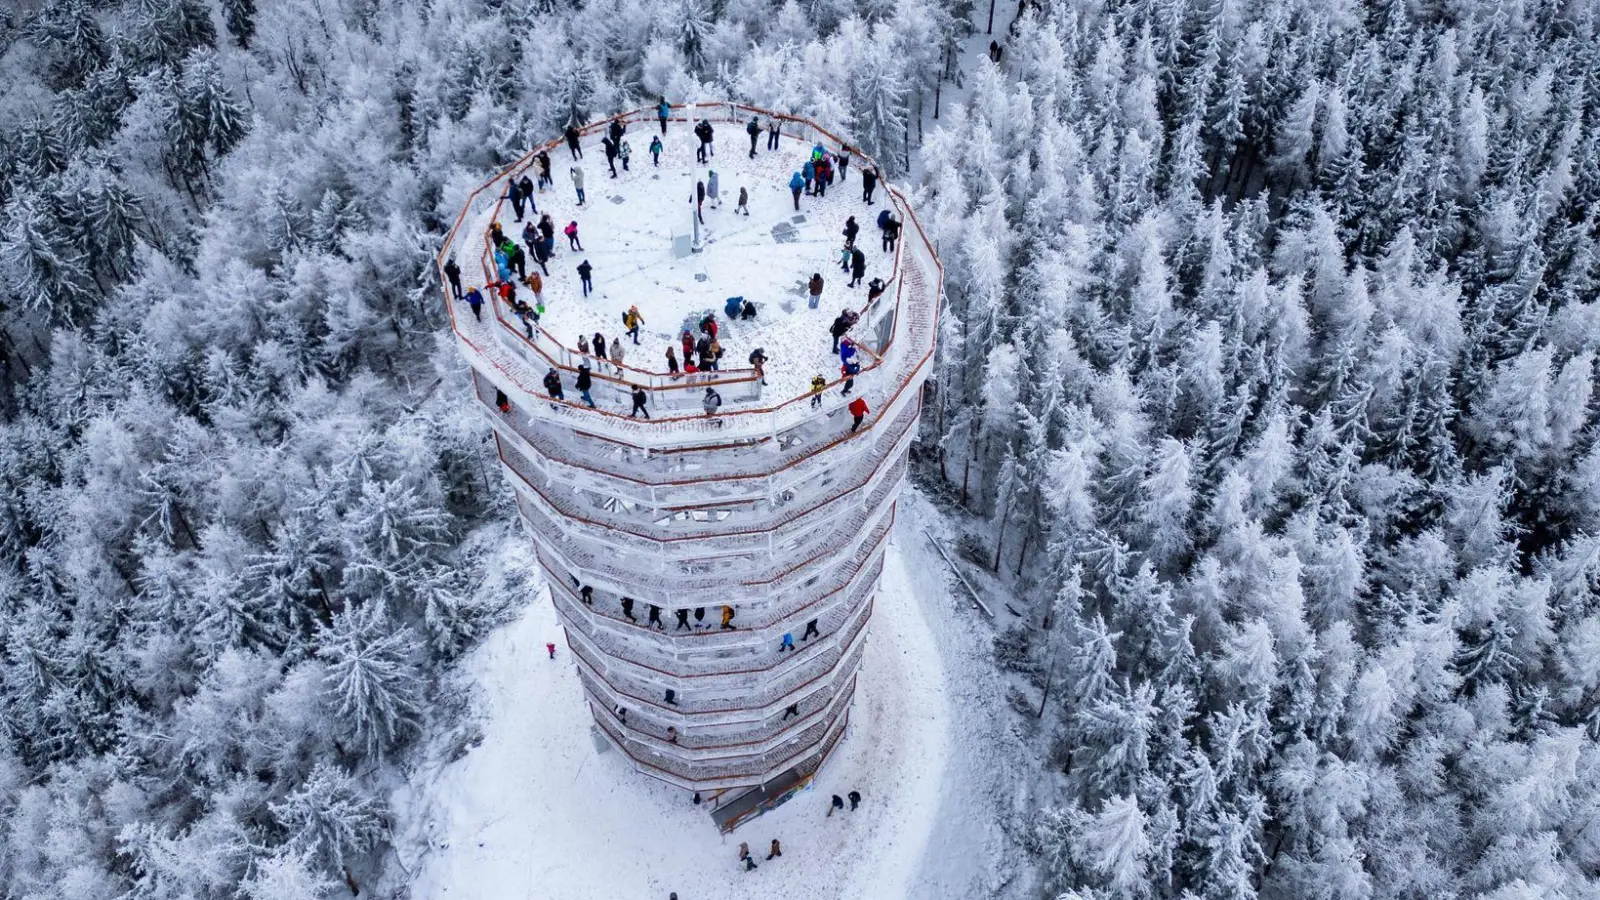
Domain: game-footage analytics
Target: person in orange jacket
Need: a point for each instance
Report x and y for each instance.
(858, 409)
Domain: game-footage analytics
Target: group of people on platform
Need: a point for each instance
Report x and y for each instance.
(705, 353)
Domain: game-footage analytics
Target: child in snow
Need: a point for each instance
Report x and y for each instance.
(744, 203)
(632, 319)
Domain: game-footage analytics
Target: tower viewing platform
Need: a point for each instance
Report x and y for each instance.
(681, 549)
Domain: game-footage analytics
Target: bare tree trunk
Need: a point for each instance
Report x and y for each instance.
(1044, 698)
(1000, 540)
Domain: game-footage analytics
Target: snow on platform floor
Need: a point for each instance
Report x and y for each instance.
(627, 227)
(536, 812)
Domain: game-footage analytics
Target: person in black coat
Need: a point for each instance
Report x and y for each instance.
(840, 326)
(858, 266)
(541, 254)
(572, 142)
(754, 130)
(611, 153)
(891, 233)
(616, 129)
(704, 132)
(869, 183)
(639, 398)
(519, 261)
(514, 194)
(584, 271)
(583, 382)
(552, 383)
(525, 185)
(851, 229)
(452, 273)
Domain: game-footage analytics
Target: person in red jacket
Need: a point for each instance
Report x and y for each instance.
(858, 409)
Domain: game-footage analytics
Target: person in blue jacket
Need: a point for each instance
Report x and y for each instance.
(809, 172)
(663, 111)
(796, 184)
(847, 350)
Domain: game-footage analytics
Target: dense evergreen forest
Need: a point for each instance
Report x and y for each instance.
(1271, 345)
(1267, 369)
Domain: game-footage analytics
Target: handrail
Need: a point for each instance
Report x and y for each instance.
(680, 380)
(712, 478)
(764, 745)
(868, 523)
(830, 741)
(875, 414)
(829, 675)
(786, 620)
(861, 547)
(883, 464)
(842, 640)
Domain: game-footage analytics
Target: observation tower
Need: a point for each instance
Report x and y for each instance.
(681, 549)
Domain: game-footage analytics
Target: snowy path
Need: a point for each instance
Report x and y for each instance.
(536, 812)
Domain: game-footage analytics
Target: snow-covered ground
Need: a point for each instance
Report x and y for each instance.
(537, 811)
(627, 229)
